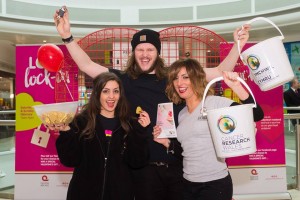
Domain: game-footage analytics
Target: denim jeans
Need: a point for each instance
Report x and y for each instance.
(220, 189)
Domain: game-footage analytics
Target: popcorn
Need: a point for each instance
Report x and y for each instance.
(56, 117)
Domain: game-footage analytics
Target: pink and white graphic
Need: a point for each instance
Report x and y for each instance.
(35, 147)
(36, 154)
(40, 138)
(165, 119)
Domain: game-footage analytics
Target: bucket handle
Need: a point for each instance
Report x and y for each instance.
(220, 79)
(253, 20)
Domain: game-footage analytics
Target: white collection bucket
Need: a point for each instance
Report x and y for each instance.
(268, 61)
(232, 128)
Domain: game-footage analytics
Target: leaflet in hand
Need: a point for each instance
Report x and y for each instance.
(165, 119)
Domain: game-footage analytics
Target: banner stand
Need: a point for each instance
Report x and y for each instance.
(266, 196)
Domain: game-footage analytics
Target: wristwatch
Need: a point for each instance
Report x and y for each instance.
(67, 40)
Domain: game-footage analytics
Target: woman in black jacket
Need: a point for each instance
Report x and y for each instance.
(102, 143)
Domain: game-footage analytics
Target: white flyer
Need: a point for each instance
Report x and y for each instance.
(165, 119)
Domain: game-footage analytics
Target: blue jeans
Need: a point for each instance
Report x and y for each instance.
(220, 189)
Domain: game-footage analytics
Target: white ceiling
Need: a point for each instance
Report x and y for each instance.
(126, 3)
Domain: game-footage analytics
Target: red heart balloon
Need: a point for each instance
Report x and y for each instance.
(50, 57)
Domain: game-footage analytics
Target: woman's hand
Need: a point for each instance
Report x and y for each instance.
(156, 132)
(230, 78)
(242, 34)
(57, 127)
(62, 23)
(144, 119)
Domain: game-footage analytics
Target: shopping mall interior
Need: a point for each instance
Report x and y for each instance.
(191, 28)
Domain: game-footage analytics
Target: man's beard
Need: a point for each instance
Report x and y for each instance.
(139, 69)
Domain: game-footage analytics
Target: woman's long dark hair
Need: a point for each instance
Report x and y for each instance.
(93, 107)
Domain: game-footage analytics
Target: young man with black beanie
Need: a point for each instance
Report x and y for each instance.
(146, 36)
(144, 81)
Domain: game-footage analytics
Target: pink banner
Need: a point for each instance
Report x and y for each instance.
(270, 130)
(35, 145)
(263, 171)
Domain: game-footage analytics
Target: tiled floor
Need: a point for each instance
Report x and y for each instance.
(295, 194)
(290, 148)
(7, 194)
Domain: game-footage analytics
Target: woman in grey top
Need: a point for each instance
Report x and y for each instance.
(206, 176)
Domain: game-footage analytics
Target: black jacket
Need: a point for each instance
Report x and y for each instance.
(87, 156)
(292, 99)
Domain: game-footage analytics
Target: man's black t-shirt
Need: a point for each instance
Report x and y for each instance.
(147, 92)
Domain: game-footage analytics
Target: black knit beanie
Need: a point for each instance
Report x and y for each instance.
(146, 36)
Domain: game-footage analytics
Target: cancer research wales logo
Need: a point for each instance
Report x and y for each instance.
(253, 62)
(226, 124)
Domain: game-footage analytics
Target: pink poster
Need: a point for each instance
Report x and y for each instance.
(255, 172)
(270, 130)
(35, 145)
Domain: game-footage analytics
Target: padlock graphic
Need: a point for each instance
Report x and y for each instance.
(40, 138)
